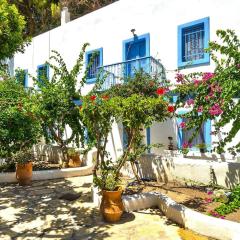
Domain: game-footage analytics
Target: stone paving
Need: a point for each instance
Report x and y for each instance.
(36, 212)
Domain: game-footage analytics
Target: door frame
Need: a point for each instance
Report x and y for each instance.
(144, 36)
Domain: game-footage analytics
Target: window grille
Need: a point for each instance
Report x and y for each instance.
(94, 64)
(193, 43)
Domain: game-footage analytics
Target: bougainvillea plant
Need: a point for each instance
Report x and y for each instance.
(97, 113)
(136, 104)
(213, 95)
(57, 110)
(143, 100)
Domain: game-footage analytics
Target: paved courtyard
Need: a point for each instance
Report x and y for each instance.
(36, 212)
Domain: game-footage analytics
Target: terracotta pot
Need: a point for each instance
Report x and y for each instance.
(74, 161)
(112, 206)
(24, 173)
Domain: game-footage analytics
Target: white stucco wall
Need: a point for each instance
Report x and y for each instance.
(109, 26)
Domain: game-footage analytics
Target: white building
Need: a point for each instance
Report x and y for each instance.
(164, 30)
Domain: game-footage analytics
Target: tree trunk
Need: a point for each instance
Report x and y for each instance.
(135, 173)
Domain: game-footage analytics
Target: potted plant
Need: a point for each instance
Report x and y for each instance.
(24, 159)
(111, 206)
(73, 158)
(19, 127)
(202, 147)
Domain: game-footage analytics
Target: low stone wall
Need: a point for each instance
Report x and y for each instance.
(203, 224)
(172, 166)
(49, 174)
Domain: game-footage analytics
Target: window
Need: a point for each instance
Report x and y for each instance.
(193, 38)
(203, 137)
(22, 77)
(94, 60)
(43, 72)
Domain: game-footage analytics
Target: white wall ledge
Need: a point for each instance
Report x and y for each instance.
(200, 223)
(203, 224)
(49, 174)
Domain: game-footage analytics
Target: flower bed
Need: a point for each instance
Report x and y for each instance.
(196, 198)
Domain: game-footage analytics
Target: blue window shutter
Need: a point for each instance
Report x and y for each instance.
(136, 48)
(42, 72)
(193, 38)
(148, 133)
(97, 62)
(207, 132)
(180, 134)
(25, 78)
(22, 77)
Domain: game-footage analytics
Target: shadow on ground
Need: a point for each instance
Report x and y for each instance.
(36, 212)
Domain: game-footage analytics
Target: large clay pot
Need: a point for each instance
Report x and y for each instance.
(24, 173)
(112, 206)
(74, 161)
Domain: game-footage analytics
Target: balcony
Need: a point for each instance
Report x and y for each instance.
(119, 72)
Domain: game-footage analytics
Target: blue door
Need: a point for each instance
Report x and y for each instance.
(135, 51)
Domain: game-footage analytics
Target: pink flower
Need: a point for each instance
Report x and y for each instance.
(200, 109)
(222, 217)
(216, 88)
(179, 77)
(182, 125)
(210, 192)
(186, 145)
(207, 75)
(196, 82)
(208, 200)
(215, 110)
(238, 65)
(190, 102)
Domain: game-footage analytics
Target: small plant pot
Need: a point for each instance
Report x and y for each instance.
(111, 206)
(202, 150)
(24, 173)
(74, 161)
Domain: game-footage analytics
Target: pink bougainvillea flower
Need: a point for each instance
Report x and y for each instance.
(215, 110)
(190, 102)
(216, 88)
(207, 97)
(179, 77)
(161, 91)
(186, 145)
(171, 108)
(207, 75)
(208, 200)
(222, 217)
(196, 82)
(182, 125)
(200, 109)
(210, 192)
(93, 98)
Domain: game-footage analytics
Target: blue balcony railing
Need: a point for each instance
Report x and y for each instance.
(119, 72)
